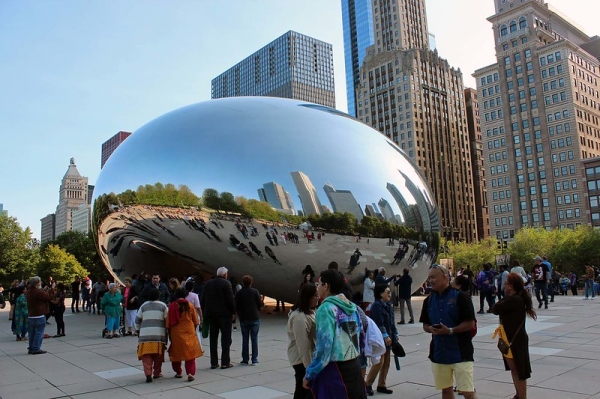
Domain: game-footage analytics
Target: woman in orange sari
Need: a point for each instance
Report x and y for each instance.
(182, 324)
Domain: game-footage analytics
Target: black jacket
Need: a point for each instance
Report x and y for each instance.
(217, 299)
(247, 303)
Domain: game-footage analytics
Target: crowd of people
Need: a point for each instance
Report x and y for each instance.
(339, 344)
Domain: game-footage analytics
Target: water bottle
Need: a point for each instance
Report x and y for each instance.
(397, 362)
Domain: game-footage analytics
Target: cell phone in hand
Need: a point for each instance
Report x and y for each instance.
(437, 326)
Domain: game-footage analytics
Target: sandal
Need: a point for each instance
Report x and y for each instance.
(178, 375)
(190, 377)
(108, 336)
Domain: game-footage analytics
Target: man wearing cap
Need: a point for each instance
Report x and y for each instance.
(541, 278)
(448, 315)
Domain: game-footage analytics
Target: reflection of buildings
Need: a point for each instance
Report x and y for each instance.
(277, 197)
(110, 145)
(343, 201)
(292, 66)
(410, 219)
(370, 211)
(73, 192)
(307, 193)
(2, 211)
(357, 20)
(539, 105)
(48, 228)
(415, 97)
(387, 211)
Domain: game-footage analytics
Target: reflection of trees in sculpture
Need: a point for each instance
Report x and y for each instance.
(337, 221)
(159, 194)
(372, 226)
(224, 201)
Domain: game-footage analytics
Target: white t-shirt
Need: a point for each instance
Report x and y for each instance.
(193, 299)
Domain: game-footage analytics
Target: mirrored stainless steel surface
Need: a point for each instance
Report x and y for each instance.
(196, 189)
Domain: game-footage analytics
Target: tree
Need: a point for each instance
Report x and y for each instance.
(17, 254)
(474, 254)
(83, 248)
(59, 264)
(210, 199)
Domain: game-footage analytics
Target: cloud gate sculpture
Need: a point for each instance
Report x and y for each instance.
(263, 186)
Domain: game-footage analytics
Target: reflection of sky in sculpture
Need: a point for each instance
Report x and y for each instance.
(293, 137)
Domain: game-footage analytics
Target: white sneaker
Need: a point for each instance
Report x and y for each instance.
(585, 298)
(593, 298)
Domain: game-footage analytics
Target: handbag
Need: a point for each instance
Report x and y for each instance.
(398, 350)
(503, 347)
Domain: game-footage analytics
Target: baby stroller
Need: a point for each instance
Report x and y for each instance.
(121, 325)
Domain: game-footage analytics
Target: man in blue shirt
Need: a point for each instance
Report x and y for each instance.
(551, 286)
(448, 315)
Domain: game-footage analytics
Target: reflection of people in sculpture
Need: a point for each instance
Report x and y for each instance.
(354, 261)
(242, 247)
(212, 233)
(234, 241)
(269, 238)
(255, 249)
(274, 237)
(271, 254)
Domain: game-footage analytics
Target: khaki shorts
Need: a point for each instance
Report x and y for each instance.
(444, 375)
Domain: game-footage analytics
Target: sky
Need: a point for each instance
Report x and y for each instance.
(74, 73)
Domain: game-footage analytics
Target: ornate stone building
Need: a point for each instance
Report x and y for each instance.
(73, 192)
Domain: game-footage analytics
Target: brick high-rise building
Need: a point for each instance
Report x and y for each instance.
(414, 97)
(110, 145)
(483, 219)
(292, 66)
(540, 109)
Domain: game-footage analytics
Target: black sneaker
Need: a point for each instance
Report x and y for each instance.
(401, 322)
(370, 390)
(481, 312)
(540, 306)
(384, 390)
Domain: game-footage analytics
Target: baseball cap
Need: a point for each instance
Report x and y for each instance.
(537, 258)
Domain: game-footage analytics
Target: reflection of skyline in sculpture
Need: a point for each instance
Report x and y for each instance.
(174, 237)
(410, 219)
(387, 211)
(343, 201)
(277, 197)
(429, 215)
(311, 205)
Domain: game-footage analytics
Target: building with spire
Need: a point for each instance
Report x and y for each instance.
(540, 112)
(414, 97)
(73, 193)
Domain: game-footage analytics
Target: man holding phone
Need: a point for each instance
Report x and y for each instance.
(448, 315)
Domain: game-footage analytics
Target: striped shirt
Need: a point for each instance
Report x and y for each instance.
(150, 322)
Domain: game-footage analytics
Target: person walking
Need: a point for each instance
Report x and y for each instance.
(513, 310)
(404, 284)
(111, 307)
(335, 368)
(301, 331)
(75, 289)
(181, 328)
(151, 327)
(38, 305)
(382, 313)
(486, 287)
(59, 310)
(218, 306)
(248, 304)
(449, 317)
(590, 274)
(541, 279)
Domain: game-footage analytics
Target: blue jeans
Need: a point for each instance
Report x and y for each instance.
(37, 325)
(250, 330)
(541, 286)
(589, 287)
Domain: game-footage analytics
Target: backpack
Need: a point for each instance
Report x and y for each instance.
(485, 281)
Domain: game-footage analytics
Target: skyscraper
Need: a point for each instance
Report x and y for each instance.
(540, 112)
(277, 197)
(307, 193)
(387, 211)
(414, 97)
(292, 66)
(357, 21)
(73, 192)
(483, 220)
(48, 228)
(343, 201)
(2, 210)
(110, 145)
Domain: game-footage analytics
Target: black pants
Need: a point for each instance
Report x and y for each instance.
(60, 321)
(299, 391)
(220, 325)
(574, 290)
(75, 303)
(486, 296)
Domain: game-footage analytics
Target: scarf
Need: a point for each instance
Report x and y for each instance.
(174, 311)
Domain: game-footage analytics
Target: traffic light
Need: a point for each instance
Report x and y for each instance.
(499, 244)
(505, 244)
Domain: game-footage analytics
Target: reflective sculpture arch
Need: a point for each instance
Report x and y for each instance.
(263, 186)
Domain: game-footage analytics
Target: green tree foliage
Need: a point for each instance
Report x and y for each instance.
(164, 195)
(210, 199)
(18, 252)
(474, 254)
(59, 264)
(83, 248)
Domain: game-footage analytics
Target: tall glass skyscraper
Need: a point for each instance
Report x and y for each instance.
(357, 20)
(292, 66)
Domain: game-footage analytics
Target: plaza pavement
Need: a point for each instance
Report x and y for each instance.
(565, 347)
